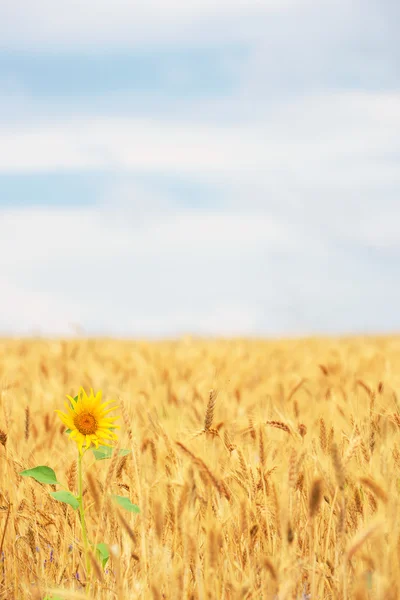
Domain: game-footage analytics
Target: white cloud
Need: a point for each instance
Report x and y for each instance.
(227, 273)
(343, 139)
(222, 320)
(88, 23)
(381, 230)
(127, 144)
(177, 273)
(34, 236)
(27, 308)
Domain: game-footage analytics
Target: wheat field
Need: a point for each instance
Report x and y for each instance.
(262, 470)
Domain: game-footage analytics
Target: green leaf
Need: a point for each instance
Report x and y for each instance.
(66, 497)
(103, 553)
(68, 431)
(103, 452)
(126, 503)
(124, 452)
(41, 474)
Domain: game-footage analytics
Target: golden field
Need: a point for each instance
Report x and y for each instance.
(283, 482)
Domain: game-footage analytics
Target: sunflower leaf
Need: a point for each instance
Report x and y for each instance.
(103, 452)
(41, 474)
(68, 431)
(124, 452)
(126, 503)
(66, 497)
(103, 553)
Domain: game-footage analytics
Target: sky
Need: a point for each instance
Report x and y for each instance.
(227, 168)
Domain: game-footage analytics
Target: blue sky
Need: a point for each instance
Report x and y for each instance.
(226, 167)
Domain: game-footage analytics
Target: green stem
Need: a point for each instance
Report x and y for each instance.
(82, 515)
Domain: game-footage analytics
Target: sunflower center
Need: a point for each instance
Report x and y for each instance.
(85, 423)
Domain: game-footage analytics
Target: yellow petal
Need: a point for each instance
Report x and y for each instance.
(107, 403)
(106, 412)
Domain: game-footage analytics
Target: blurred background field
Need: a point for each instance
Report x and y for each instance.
(282, 482)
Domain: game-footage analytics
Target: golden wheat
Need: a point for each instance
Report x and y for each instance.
(291, 489)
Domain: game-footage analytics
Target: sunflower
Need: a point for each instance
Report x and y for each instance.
(87, 420)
